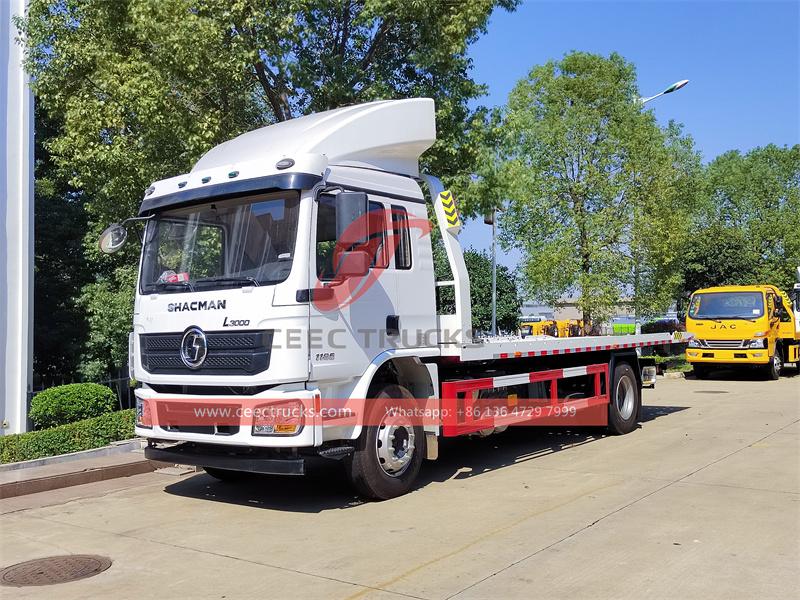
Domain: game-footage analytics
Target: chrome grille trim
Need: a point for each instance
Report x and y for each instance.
(723, 344)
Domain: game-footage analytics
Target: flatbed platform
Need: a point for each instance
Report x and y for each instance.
(503, 347)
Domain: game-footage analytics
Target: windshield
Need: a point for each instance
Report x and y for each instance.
(727, 305)
(246, 241)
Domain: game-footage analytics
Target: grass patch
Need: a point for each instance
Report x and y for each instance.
(74, 437)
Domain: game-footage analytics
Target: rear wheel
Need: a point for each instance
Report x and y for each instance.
(625, 400)
(389, 453)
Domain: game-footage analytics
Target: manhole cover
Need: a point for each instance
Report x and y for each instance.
(711, 392)
(54, 569)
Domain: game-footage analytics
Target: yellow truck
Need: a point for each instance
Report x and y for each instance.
(756, 325)
(561, 328)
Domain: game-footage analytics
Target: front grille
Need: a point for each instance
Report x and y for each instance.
(725, 343)
(244, 353)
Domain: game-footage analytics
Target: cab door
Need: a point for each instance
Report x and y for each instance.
(785, 317)
(412, 263)
(347, 313)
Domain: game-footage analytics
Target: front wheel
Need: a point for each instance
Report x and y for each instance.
(389, 453)
(700, 371)
(773, 368)
(625, 400)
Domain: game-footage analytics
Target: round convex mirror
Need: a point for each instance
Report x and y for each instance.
(113, 238)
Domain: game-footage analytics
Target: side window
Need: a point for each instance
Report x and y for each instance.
(783, 313)
(402, 256)
(326, 237)
(376, 245)
(326, 250)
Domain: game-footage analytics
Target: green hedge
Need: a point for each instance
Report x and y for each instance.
(624, 328)
(64, 404)
(81, 435)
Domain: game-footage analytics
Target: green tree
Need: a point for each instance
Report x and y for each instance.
(145, 87)
(60, 269)
(758, 193)
(747, 227)
(479, 267)
(717, 255)
(599, 197)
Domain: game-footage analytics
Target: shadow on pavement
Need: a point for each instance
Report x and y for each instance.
(324, 487)
(742, 374)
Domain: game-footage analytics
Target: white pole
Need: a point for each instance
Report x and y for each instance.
(646, 100)
(494, 275)
(16, 225)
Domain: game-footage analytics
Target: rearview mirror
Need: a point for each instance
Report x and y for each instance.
(353, 264)
(113, 238)
(351, 219)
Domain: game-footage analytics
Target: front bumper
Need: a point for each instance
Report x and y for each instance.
(250, 462)
(176, 420)
(757, 356)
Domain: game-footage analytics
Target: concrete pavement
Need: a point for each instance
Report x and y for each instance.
(702, 502)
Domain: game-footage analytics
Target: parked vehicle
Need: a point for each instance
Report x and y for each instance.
(754, 326)
(557, 328)
(288, 278)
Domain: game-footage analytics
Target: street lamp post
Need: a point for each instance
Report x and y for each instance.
(673, 88)
(642, 100)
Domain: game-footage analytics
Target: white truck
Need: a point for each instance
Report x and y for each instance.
(286, 312)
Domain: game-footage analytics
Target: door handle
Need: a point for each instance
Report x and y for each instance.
(392, 325)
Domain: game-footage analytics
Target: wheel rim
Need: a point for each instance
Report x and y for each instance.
(776, 363)
(394, 446)
(625, 398)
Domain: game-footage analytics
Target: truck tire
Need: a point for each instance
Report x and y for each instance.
(625, 400)
(700, 371)
(225, 474)
(773, 369)
(389, 451)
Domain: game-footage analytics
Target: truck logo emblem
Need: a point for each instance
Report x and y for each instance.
(194, 347)
(196, 305)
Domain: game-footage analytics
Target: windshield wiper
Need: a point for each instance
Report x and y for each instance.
(173, 284)
(719, 319)
(231, 280)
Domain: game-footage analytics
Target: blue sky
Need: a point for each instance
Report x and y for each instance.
(742, 60)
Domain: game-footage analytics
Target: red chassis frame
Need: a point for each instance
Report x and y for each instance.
(464, 412)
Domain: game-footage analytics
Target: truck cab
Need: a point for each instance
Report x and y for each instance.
(740, 326)
(245, 292)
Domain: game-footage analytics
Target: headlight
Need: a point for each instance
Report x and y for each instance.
(281, 418)
(762, 343)
(143, 416)
(695, 343)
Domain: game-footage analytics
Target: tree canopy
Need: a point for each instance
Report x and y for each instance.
(61, 269)
(599, 197)
(747, 229)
